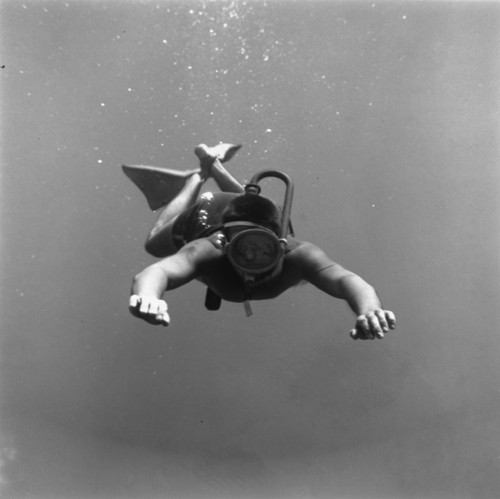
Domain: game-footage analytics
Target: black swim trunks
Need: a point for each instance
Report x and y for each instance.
(202, 219)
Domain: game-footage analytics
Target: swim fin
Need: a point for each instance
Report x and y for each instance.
(224, 152)
(159, 185)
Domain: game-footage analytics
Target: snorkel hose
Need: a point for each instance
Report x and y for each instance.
(254, 188)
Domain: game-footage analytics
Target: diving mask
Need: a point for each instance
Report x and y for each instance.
(255, 253)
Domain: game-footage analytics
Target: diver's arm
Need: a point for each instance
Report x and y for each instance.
(372, 320)
(149, 285)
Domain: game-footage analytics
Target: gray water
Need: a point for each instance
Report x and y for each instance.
(386, 116)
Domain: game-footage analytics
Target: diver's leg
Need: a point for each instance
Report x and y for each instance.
(211, 166)
(225, 181)
(160, 242)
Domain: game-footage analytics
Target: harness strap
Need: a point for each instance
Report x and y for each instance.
(212, 300)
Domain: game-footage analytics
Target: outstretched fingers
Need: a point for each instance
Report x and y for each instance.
(391, 319)
(374, 324)
(149, 308)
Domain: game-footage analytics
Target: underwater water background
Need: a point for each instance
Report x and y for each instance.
(385, 114)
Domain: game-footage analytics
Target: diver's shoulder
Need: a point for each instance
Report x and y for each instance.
(201, 249)
(296, 245)
(302, 250)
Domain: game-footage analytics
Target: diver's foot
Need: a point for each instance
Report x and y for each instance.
(206, 158)
(222, 152)
(203, 152)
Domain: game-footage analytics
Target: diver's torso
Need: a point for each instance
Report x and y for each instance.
(220, 276)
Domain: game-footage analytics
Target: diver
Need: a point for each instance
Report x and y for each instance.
(238, 243)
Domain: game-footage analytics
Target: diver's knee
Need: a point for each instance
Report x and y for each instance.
(154, 249)
(159, 249)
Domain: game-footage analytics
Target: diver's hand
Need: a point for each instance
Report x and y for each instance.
(150, 309)
(373, 324)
